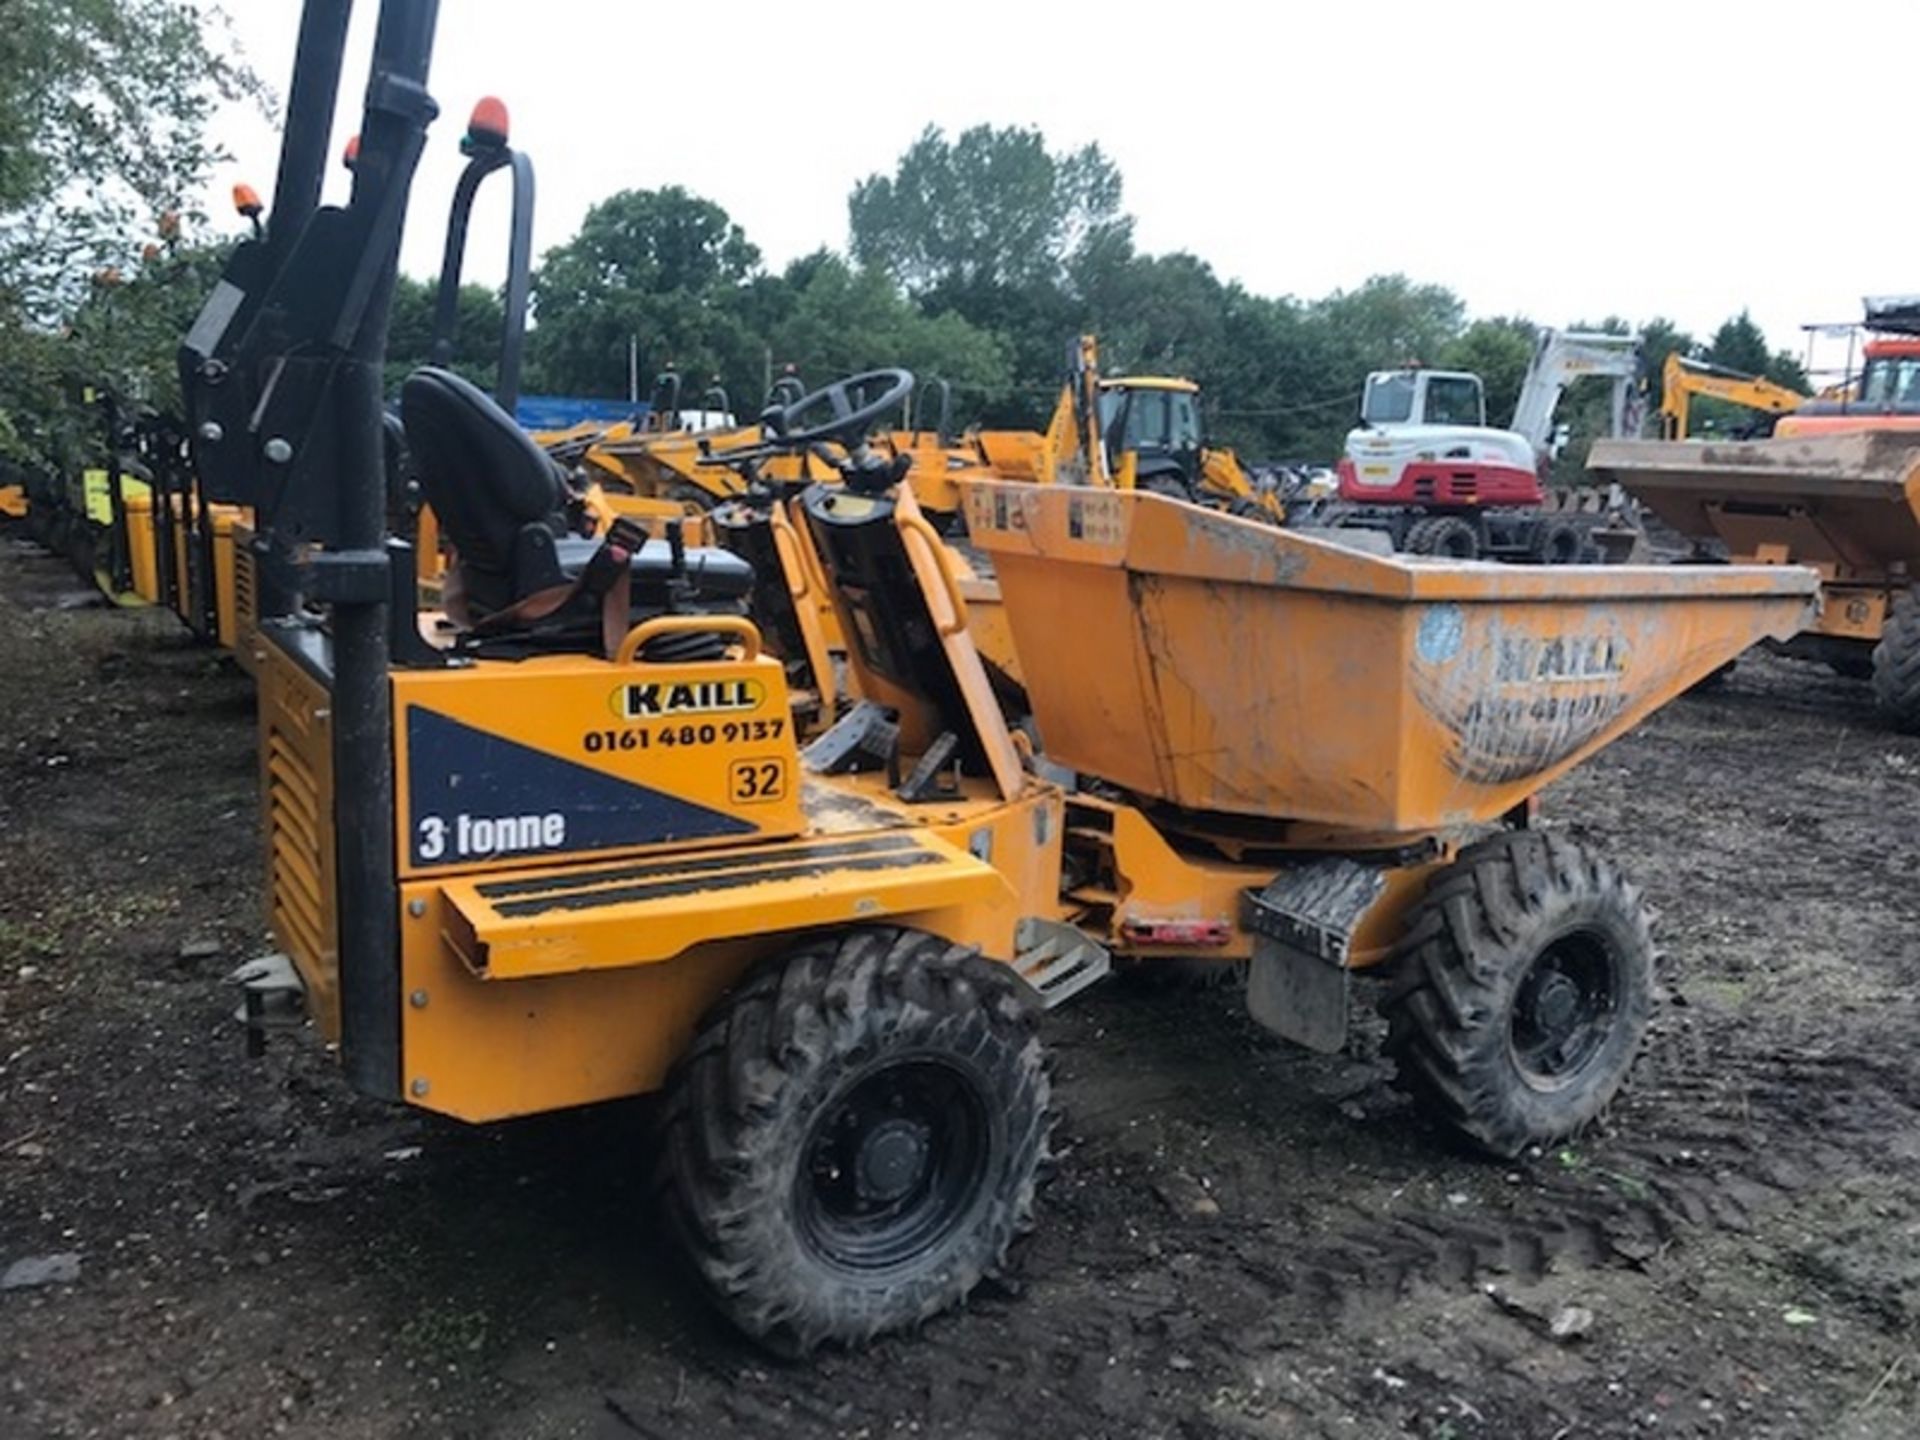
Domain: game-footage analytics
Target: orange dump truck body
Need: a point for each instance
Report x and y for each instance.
(1220, 665)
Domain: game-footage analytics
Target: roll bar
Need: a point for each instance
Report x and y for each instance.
(488, 152)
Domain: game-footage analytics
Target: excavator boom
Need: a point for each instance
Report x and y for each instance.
(1681, 379)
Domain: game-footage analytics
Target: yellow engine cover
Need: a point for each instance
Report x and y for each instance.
(562, 757)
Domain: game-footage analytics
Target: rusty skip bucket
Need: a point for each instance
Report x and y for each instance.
(1849, 503)
(1221, 665)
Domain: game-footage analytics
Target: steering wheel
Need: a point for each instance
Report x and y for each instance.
(848, 414)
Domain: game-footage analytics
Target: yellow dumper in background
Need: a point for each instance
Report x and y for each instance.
(1845, 504)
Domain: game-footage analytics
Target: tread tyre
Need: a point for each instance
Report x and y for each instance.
(1558, 542)
(1446, 536)
(852, 1141)
(1522, 989)
(1896, 664)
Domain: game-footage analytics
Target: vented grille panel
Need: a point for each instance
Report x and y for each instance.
(297, 860)
(245, 607)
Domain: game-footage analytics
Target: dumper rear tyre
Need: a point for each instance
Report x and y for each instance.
(1447, 536)
(1522, 989)
(852, 1142)
(1896, 664)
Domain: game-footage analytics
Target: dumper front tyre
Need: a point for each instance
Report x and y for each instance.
(1522, 990)
(851, 1143)
(1896, 664)
(1446, 536)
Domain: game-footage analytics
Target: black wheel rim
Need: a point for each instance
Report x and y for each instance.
(1564, 1009)
(894, 1164)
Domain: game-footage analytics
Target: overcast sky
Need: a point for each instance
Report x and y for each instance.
(1562, 161)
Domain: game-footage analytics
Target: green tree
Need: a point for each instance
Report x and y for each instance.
(1740, 344)
(1273, 390)
(479, 316)
(1660, 338)
(1391, 320)
(36, 424)
(844, 320)
(989, 210)
(104, 107)
(1162, 314)
(126, 331)
(665, 267)
(122, 335)
(1499, 352)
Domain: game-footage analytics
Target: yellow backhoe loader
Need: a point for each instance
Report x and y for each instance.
(1131, 432)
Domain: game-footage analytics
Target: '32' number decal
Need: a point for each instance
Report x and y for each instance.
(756, 782)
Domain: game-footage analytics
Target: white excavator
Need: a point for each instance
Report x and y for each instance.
(1424, 466)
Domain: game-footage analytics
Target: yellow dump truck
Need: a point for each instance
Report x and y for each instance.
(568, 848)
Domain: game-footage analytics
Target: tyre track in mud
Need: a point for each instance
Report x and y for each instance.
(1701, 1140)
(1132, 1316)
(1118, 1313)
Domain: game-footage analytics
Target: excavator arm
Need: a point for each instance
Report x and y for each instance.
(1562, 357)
(1681, 379)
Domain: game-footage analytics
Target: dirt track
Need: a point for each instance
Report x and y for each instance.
(1239, 1241)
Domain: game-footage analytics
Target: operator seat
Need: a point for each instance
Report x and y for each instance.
(501, 501)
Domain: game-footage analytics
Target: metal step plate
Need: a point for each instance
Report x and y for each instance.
(1058, 961)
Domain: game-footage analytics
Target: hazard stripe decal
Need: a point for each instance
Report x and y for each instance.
(706, 884)
(895, 844)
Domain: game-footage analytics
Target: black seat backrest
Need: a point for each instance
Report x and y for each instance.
(885, 613)
(484, 476)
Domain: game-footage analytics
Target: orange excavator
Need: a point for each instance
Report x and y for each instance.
(1886, 393)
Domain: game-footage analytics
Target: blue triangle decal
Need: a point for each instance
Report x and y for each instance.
(475, 796)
